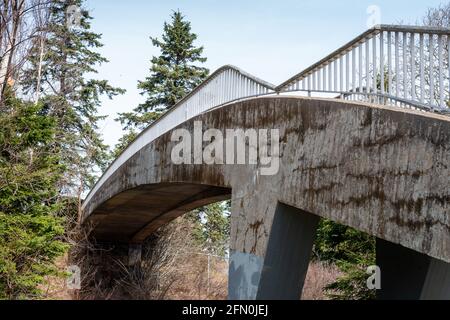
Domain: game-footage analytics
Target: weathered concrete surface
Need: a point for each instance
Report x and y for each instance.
(383, 171)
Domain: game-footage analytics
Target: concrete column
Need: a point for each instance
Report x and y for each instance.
(288, 254)
(409, 275)
(270, 252)
(251, 218)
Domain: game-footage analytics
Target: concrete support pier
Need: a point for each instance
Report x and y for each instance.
(409, 275)
(250, 208)
(288, 254)
(279, 273)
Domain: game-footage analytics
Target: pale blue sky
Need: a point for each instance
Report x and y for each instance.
(270, 39)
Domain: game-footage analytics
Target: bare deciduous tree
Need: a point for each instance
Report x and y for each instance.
(21, 23)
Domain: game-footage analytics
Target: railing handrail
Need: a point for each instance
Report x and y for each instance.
(408, 102)
(121, 158)
(358, 40)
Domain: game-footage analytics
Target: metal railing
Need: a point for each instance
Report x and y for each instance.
(227, 84)
(405, 66)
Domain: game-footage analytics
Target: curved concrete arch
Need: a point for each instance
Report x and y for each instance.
(199, 100)
(379, 170)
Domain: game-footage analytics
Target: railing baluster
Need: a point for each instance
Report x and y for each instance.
(367, 66)
(335, 75)
(422, 69)
(241, 86)
(225, 86)
(353, 87)
(382, 62)
(360, 69)
(413, 66)
(228, 85)
(314, 81)
(405, 65)
(319, 80)
(431, 69)
(244, 86)
(448, 66)
(347, 72)
(232, 82)
(309, 83)
(374, 62)
(389, 61)
(236, 84)
(397, 65)
(216, 90)
(324, 78)
(330, 78)
(441, 72)
(232, 85)
(246, 80)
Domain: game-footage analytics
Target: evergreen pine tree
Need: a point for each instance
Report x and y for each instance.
(352, 251)
(212, 227)
(65, 62)
(173, 75)
(30, 230)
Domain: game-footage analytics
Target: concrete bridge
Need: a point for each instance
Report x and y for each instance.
(379, 164)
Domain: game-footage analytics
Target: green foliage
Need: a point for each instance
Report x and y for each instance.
(212, 227)
(28, 248)
(336, 242)
(69, 94)
(353, 284)
(352, 251)
(30, 231)
(173, 74)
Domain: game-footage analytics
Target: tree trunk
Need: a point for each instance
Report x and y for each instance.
(39, 76)
(6, 68)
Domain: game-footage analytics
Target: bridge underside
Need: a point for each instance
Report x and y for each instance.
(133, 215)
(381, 171)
